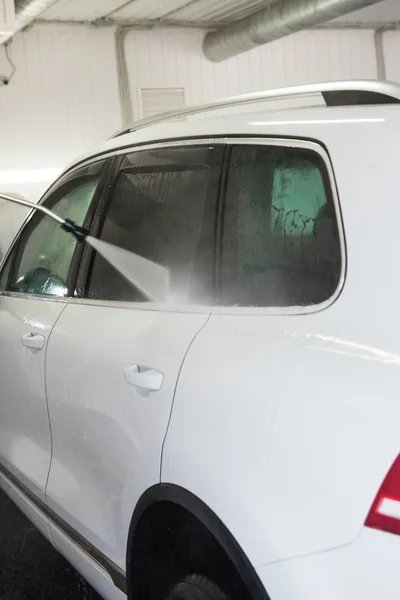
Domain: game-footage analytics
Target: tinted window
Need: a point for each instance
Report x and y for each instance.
(163, 209)
(41, 259)
(280, 243)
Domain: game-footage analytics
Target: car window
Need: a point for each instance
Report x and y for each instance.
(40, 261)
(281, 243)
(163, 208)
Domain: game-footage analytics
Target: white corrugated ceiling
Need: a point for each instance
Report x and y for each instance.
(148, 10)
(186, 11)
(195, 12)
(81, 10)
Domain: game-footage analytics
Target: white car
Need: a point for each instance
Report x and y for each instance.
(239, 440)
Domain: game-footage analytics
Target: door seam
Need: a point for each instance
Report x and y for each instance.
(47, 400)
(175, 388)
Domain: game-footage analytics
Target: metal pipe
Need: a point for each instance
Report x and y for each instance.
(39, 207)
(150, 278)
(274, 22)
(380, 52)
(26, 11)
(79, 232)
(124, 89)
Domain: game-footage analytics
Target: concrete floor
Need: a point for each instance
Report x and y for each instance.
(30, 569)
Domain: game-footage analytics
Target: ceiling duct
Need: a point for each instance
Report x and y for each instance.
(274, 22)
(27, 11)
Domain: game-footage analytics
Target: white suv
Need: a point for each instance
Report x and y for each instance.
(240, 440)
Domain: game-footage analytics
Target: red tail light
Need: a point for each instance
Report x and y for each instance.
(385, 510)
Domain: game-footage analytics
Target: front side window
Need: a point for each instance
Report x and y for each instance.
(163, 208)
(40, 261)
(281, 243)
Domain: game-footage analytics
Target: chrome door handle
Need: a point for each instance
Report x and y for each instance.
(147, 380)
(32, 340)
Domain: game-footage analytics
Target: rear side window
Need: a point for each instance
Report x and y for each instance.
(163, 208)
(281, 244)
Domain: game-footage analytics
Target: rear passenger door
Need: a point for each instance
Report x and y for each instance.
(269, 365)
(114, 357)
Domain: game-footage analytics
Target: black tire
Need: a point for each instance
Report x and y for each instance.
(196, 587)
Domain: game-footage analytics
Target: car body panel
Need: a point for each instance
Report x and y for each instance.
(301, 398)
(25, 442)
(367, 568)
(107, 437)
(29, 508)
(283, 441)
(319, 122)
(283, 422)
(97, 577)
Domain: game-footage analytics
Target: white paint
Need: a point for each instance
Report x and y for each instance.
(272, 415)
(366, 569)
(25, 445)
(82, 381)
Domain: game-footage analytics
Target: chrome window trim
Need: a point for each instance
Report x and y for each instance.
(39, 297)
(223, 310)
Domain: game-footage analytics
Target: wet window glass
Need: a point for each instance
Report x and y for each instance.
(281, 242)
(163, 209)
(41, 259)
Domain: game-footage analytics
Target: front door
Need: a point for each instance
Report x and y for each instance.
(114, 358)
(34, 284)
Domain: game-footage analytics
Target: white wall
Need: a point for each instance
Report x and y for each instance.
(64, 95)
(392, 54)
(11, 218)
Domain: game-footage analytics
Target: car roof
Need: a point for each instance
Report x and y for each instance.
(347, 103)
(308, 123)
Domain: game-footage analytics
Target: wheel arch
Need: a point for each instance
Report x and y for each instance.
(185, 500)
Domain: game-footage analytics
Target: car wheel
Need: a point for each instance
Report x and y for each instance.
(196, 587)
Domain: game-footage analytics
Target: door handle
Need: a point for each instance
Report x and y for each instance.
(32, 340)
(147, 380)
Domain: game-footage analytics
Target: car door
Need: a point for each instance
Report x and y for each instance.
(114, 358)
(35, 284)
(276, 356)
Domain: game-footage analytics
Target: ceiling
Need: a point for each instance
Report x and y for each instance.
(196, 12)
(207, 13)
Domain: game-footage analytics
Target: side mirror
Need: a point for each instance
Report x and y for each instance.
(149, 277)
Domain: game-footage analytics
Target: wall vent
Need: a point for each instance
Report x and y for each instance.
(155, 100)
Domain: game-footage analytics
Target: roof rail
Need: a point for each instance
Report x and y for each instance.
(337, 93)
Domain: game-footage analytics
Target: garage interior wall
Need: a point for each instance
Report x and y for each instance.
(64, 96)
